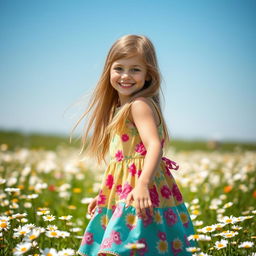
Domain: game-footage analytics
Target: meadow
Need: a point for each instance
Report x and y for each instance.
(45, 188)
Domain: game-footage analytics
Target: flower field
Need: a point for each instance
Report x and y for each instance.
(45, 193)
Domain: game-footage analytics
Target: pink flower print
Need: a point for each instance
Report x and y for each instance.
(125, 137)
(142, 251)
(176, 192)
(99, 209)
(115, 237)
(106, 243)
(139, 172)
(162, 235)
(132, 169)
(113, 207)
(119, 155)
(118, 211)
(154, 196)
(110, 181)
(101, 198)
(87, 238)
(170, 216)
(126, 190)
(148, 220)
(176, 246)
(119, 189)
(140, 148)
(165, 191)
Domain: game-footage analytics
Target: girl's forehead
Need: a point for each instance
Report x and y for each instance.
(131, 61)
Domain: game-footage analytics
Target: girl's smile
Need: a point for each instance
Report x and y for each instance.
(127, 76)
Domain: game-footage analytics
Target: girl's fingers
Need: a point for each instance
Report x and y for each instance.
(143, 207)
(150, 206)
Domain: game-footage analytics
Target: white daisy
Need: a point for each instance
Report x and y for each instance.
(246, 244)
(221, 244)
(22, 248)
(49, 218)
(68, 217)
(53, 233)
(66, 252)
(49, 251)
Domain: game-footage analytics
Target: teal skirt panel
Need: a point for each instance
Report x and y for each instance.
(164, 233)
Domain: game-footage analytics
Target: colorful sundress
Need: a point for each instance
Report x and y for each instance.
(113, 226)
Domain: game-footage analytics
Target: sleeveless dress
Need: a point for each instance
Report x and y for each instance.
(113, 226)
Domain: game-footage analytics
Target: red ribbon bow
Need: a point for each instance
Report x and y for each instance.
(171, 165)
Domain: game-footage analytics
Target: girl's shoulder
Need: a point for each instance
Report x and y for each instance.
(140, 103)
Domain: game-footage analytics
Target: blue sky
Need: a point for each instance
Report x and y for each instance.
(52, 54)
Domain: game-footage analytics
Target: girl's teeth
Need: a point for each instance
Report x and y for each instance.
(126, 85)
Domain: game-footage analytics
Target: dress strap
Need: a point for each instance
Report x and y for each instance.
(157, 109)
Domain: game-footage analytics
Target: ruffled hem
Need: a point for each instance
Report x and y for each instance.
(101, 253)
(164, 233)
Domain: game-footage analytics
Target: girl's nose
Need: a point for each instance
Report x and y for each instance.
(125, 75)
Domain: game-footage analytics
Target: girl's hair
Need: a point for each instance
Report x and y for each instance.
(104, 100)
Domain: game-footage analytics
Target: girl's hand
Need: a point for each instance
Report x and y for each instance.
(140, 194)
(92, 206)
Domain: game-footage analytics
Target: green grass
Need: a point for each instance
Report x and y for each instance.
(16, 139)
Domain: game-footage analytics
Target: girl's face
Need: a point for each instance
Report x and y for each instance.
(127, 76)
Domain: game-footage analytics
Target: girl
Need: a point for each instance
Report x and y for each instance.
(139, 203)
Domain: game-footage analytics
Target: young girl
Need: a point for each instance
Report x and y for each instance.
(139, 202)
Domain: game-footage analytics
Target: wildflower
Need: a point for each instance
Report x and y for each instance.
(43, 211)
(2, 181)
(227, 205)
(208, 229)
(246, 244)
(53, 233)
(12, 190)
(221, 244)
(4, 223)
(66, 252)
(198, 223)
(86, 200)
(227, 189)
(32, 196)
(33, 234)
(19, 215)
(228, 220)
(22, 248)
(21, 231)
(27, 205)
(49, 251)
(77, 190)
(228, 234)
(236, 227)
(64, 234)
(199, 237)
(49, 218)
(65, 217)
(51, 227)
(71, 207)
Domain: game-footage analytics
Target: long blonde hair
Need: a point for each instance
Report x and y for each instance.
(104, 100)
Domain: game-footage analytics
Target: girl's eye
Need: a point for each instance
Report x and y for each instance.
(118, 68)
(135, 70)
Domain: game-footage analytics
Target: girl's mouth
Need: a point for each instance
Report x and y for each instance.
(126, 85)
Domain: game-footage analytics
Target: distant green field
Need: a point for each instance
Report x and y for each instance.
(16, 139)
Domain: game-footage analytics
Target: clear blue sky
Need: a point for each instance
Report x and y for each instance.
(52, 53)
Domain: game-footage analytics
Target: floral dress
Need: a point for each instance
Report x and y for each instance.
(113, 226)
